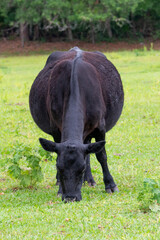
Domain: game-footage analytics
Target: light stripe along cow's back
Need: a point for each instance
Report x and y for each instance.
(76, 97)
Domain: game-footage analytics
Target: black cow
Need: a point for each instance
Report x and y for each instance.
(76, 97)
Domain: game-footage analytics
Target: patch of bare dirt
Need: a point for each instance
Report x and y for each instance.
(14, 46)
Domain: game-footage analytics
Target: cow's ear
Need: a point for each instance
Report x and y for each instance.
(94, 147)
(49, 145)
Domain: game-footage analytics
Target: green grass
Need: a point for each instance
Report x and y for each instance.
(133, 154)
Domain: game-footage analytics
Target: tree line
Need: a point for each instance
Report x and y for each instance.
(91, 20)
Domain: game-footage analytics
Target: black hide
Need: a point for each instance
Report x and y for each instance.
(76, 97)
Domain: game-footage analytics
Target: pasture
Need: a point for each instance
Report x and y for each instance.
(133, 154)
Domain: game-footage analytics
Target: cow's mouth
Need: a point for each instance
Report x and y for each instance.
(70, 199)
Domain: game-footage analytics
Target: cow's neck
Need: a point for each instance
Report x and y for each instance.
(73, 119)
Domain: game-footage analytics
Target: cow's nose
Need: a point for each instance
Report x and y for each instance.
(69, 199)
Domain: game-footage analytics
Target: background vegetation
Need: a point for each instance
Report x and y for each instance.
(133, 156)
(91, 20)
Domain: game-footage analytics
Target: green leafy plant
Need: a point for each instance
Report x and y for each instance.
(149, 195)
(26, 165)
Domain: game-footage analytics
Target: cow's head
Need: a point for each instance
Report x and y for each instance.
(71, 165)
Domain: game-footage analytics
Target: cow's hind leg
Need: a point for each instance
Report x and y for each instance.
(58, 179)
(110, 185)
(57, 138)
(88, 175)
(59, 184)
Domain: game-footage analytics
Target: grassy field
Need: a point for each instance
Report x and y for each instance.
(133, 154)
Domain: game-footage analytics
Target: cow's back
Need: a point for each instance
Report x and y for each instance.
(100, 87)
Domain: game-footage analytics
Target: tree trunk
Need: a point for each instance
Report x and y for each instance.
(92, 33)
(69, 32)
(36, 32)
(24, 34)
(108, 27)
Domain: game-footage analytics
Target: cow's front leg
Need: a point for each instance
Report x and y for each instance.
(110, 185)
(88, 175)
(59, 184)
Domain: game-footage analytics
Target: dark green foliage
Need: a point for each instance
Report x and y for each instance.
(26, 165)
(149, 195)
(146, 18)
(91, 20)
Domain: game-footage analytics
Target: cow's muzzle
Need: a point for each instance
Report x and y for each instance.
(71, 198)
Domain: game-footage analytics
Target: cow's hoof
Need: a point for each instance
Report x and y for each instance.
(111, 190)
(92, 183)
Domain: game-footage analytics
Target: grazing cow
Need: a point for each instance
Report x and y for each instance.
(76, 97)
